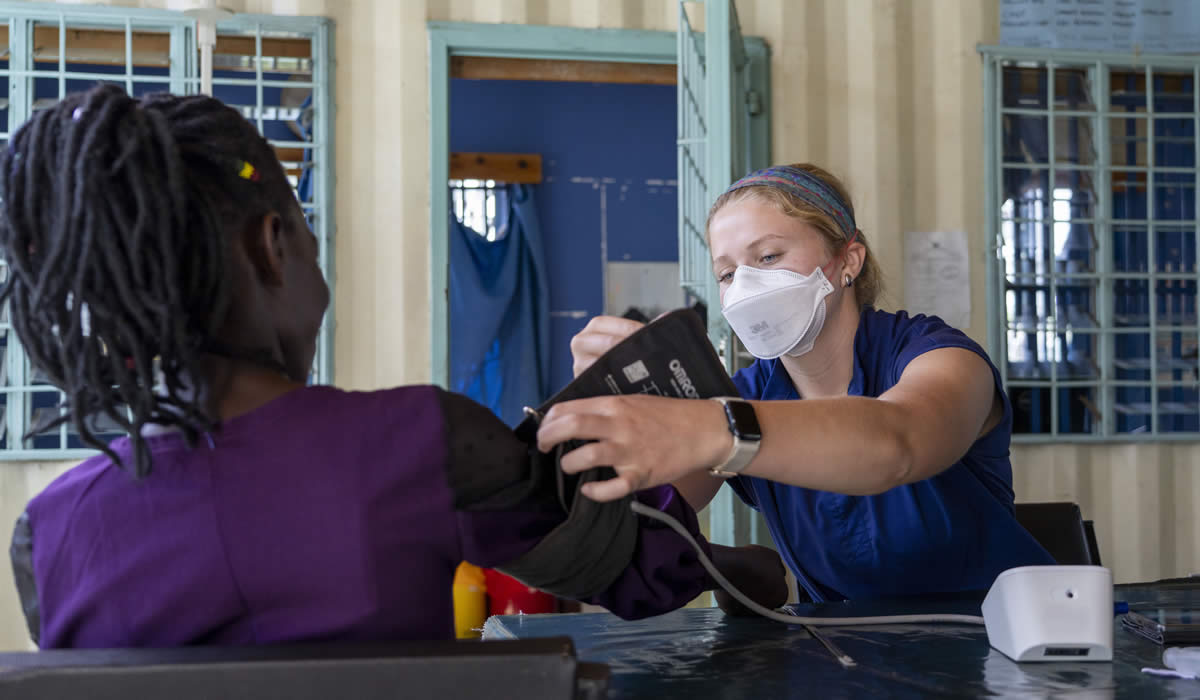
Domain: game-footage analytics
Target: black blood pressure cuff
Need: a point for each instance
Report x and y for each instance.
(585, 554)
(490, 469)
(670, 357)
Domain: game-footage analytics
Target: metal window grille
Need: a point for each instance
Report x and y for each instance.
(1091, 196)
(699, 133)
(56, 50)
(715, 145)
(477, 205)
(691, 114)
(278, 72)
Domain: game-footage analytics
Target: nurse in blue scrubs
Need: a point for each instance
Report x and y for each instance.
(875, 444)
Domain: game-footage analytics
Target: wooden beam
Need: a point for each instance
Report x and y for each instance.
(279, 47)
(501, 167)
(102, 46)
(107, 46)
(491, 68)
(291, 158)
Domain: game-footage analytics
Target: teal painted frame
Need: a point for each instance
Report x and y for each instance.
(1099, 63)
(448, 39)
(21, 18)
(320, 31)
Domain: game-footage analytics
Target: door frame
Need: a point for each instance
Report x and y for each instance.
(448, 39)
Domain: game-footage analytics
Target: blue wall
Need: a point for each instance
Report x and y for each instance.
(608, 164)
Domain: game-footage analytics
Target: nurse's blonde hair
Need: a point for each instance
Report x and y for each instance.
(869, 283)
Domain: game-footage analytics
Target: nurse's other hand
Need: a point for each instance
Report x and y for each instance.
(756, 571)
(597, 337)
(648, 440)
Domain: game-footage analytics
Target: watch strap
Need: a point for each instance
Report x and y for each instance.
(742, 452)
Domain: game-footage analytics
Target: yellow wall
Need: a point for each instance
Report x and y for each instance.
(884, 92)
(18, 482)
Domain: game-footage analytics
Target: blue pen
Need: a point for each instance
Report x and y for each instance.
(1120, 607)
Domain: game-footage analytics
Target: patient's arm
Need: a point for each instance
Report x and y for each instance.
(757, 571)
(21, 554)
(511, 518)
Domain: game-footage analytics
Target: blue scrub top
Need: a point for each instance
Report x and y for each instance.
(953, 532)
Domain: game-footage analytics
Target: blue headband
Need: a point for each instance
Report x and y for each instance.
(805, 186)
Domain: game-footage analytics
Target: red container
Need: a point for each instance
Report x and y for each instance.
(508, 596)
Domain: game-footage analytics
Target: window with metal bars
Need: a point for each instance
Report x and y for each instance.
(477, 205)
(1091, 195)
(276, 70)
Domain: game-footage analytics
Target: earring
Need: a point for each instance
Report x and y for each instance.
(849, 280)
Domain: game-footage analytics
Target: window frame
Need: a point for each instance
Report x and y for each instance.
(182, 78)
(1099, 65)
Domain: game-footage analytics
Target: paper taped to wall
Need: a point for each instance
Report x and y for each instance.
(937, 276)
(1147, 26)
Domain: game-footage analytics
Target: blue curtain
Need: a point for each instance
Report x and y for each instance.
(304, 188)
(499, 309)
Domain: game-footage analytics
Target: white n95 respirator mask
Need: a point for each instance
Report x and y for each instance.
(776, 312)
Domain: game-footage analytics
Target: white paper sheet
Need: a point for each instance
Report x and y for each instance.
(1149, 26)
(937, 276)
(1026, 23)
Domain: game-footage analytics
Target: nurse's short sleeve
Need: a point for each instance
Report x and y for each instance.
(921, 334)
(925, 333)
(744, 490)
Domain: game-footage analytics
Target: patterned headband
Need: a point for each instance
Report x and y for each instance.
(805, 186)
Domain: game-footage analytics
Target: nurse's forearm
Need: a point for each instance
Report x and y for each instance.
(851, 445)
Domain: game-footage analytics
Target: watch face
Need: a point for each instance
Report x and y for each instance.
(742, 420)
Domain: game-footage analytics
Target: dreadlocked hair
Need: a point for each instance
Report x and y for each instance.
(116, 221)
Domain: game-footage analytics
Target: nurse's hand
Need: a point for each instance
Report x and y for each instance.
(597, 337)
(648, 440)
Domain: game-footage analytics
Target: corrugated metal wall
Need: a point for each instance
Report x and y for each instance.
(885, 92)
(1142, 498)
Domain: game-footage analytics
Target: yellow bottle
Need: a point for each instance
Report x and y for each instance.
(470, 601)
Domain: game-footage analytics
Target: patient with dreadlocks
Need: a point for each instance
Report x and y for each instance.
(162, 274)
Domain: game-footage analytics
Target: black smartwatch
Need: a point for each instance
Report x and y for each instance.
(747, 436)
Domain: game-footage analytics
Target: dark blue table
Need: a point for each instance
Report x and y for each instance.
(701, 653)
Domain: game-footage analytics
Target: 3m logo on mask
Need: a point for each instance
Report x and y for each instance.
(776, 312)
(683, 381)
